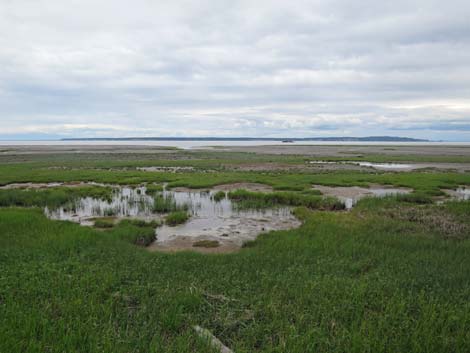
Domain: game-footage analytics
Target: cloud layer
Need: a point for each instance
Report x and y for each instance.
(234, 68)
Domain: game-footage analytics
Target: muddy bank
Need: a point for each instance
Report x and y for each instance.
(257, 187)
(230, 187)
(391, 167)
(166, 169)
(183, 243)
(350, 195)
(220, 221)
(353, 150)
(50, 185)
(461, 193)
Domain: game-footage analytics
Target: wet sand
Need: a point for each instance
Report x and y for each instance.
(307, 150)
(352, 150)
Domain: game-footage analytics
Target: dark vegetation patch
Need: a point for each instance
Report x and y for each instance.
(219, 196)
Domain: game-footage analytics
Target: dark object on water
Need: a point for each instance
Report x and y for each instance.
(287, 141)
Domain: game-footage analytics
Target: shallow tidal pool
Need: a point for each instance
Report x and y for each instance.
(220, 222)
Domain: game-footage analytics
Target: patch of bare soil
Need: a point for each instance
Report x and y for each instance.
(349, 195)
(358, 191)
(230, 187)
(43, 185)
(185, 243)
(355, 150)
(166, 169)
(461, 193)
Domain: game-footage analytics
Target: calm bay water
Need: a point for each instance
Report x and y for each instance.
(189, 144)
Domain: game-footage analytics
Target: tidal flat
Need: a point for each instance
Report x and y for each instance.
(129, 248)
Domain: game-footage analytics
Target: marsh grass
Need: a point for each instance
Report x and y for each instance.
(359, 281)
(142, 223)
(166, 203)
(51, 197)
(152, 189)
(219, 196)
(339, 283)
(176, 217)
(137, 235)
(104, 223)
(450, 220)
(258, 200)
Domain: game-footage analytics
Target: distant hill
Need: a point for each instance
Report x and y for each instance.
(340, 138)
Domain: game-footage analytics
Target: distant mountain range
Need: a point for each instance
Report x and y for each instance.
(340, 138)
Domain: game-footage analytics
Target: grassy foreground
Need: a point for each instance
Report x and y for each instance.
(390, 276)
(355, 282)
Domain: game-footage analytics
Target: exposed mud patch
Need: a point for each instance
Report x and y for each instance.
(166, 169)
(33, 185)
(397, 167)
(182, 243)
(462, 193)
(230, 187)
(350, 195)
(246, 186)
(219, 221)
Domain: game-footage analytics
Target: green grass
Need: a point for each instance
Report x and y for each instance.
(392, 275)
(176, 217)
(258, 200)
(51, 197)
(152, 189)
(133, 234)
(428, 183)
(103, 223)
(142, 223)
(339, 283)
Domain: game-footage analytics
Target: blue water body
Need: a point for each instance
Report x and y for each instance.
(192, 144)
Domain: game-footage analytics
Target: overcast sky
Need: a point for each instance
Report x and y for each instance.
(86, 68)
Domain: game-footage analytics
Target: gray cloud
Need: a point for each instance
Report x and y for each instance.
(234, 68)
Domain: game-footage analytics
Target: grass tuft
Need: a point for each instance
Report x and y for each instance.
(176, 217)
